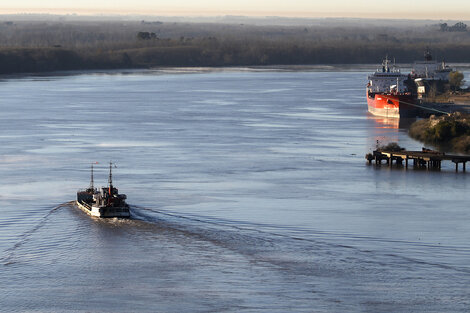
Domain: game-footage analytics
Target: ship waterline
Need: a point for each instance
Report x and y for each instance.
(392, 106)
(107, 212)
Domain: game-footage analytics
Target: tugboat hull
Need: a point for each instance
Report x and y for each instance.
(104, 212)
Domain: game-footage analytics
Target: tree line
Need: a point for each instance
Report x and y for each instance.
(41, 46)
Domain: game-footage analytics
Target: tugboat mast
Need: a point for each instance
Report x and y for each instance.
(110, 183)
(92, 187)
(110, 180)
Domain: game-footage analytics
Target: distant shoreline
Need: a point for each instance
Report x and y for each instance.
(366, 68)
(202, 69)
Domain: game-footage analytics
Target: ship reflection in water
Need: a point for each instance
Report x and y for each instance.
(393, 123)
(387, 130)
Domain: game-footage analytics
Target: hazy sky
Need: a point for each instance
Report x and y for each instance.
(421, 9)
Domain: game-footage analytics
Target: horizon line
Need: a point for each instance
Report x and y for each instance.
(208, 14)
(195, 16)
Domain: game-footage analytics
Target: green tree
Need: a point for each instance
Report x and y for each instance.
(456, 80)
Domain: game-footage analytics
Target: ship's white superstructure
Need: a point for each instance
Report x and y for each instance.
(387, 79)
(430, 69)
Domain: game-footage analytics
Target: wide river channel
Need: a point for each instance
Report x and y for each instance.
(249, 192)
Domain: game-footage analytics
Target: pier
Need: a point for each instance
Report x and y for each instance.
(426, 158)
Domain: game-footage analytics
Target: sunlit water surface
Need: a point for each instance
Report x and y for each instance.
(249, 192)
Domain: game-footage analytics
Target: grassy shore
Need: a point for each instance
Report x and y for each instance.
(448, 132)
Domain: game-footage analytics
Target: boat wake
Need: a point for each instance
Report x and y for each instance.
(222, 233)
(24, 237)
(261, 239)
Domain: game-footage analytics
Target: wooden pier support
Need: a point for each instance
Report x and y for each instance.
(399, 161)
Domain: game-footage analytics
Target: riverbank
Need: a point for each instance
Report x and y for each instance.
(448, 132)
(447, 103)
(461, 99)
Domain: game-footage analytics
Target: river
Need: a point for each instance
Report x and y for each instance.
(249, 192)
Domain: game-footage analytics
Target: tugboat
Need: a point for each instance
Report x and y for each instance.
(103, 202)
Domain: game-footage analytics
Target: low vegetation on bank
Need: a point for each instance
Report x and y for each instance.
(451, 132)
(58, 44)
(392, 146)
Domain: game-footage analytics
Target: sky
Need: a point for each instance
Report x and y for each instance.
(414, 9)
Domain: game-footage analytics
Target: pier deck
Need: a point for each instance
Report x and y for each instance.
(426, 158)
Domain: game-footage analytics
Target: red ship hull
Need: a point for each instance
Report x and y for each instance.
(392, 105)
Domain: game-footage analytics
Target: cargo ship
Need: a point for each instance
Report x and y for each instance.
(430, 69)
(103, 202)
(389, 93)
(430, 76)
